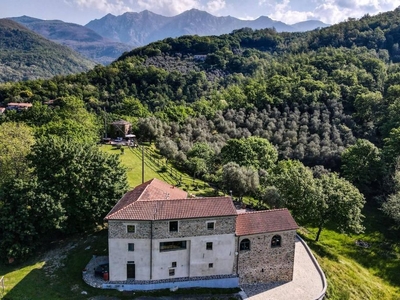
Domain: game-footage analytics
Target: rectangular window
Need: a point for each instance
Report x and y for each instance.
(131, 247)
(211, 265)
(172, 246)
(171, 272)
(130, 228)
(209, 246)
(173, 265)
(210, 225)
(173, 226)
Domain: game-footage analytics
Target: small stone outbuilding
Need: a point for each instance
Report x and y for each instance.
(266, 244)
(120, 128)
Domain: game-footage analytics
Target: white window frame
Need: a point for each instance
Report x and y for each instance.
(210, 222)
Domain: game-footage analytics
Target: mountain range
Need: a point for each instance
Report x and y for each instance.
(104, 40)
(138, 29)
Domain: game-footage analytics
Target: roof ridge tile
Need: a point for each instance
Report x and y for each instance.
(263, 211)
(131, 191)
(148, 184)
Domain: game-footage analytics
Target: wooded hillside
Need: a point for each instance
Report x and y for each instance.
(24, 55)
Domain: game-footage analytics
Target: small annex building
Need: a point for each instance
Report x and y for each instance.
(157, 234)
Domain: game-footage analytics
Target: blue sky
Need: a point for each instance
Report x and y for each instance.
(288, 11)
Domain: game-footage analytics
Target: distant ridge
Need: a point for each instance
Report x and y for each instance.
(105, 40)
(138, 29)
(80, 38)
(25, 55)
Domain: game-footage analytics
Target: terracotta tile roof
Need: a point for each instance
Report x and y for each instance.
(153, 189)
(175, 209)
(160, 190)
(264, 221)
(129, 198)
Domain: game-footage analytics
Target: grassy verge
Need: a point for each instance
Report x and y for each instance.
(356, 272)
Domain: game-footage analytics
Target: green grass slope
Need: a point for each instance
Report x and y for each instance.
(25, 55)
(356, 272)
(155, 166)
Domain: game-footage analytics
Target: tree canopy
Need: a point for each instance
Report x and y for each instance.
(70, 189)
(16, 140)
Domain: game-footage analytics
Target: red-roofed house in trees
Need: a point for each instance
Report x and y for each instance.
(158, 234)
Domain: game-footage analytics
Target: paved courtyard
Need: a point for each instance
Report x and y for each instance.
(307, 283)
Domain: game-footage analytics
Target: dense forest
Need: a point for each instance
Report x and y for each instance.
(309, 121)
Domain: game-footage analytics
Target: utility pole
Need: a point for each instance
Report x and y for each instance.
(142, 163)
(105, 123)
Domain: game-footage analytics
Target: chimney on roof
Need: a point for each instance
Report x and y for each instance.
(167, 196)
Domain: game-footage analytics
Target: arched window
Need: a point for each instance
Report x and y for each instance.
(245, 244)
(276, 241)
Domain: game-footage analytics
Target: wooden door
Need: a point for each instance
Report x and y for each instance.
(130, 271)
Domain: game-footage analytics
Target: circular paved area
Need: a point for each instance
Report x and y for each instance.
(307, 283)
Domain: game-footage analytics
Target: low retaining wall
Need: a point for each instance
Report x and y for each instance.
(228, 282)
(321, 273)
(219, 281)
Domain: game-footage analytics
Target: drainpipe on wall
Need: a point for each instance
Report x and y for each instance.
(151, 250)
(190, 250)
(237, 257)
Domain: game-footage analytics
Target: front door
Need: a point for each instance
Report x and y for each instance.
(130, 271)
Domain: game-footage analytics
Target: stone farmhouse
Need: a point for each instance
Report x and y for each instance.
(159, 234)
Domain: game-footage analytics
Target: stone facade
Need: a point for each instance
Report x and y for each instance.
(117, 230)
(263, 263)
(194, 227)
(186, 228)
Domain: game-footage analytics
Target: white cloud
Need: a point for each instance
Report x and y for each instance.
(215, 5)
(328, 11)
(288, 11)
(283, 12)
(107, 6)
(168, 7)
(334, 11)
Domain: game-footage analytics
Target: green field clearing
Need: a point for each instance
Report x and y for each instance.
(155, 166)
